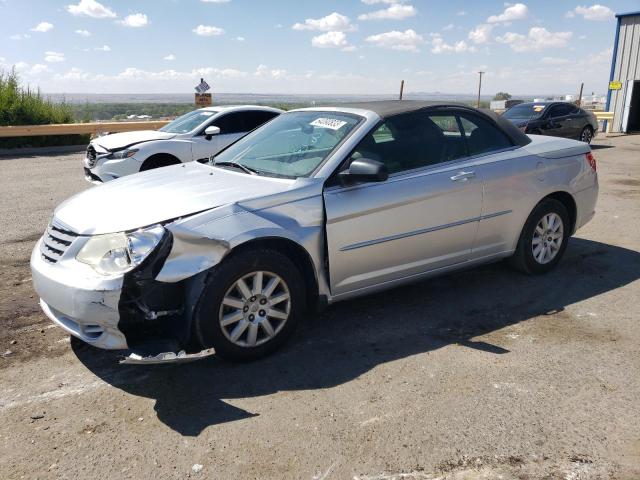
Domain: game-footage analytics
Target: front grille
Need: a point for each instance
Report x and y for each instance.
(91, 156)
(55, 242)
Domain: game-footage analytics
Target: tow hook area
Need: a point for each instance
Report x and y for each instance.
(166, 357)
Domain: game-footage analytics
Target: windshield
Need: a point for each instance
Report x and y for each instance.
(291, 145)
(526, 111)
(188, 121)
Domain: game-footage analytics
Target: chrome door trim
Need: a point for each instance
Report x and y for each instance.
(421, 231)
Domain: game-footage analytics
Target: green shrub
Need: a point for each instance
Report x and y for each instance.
(23, 106)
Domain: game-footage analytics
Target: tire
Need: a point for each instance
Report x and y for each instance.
(586, 135)
(528, 258)
(158, 161)
(223, 301)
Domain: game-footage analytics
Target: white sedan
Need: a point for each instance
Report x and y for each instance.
(196, 135)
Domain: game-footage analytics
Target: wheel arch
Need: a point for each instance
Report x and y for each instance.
(158, 160)
(293, 250)
(569, 203)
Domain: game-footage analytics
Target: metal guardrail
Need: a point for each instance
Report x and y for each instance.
(78, 128)
(112, 127)
(606, 117)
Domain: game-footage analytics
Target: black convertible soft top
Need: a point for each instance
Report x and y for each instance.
(390, 108)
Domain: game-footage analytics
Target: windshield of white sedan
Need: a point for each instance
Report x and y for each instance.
(527, 111)
(187, 122)
(291, 145)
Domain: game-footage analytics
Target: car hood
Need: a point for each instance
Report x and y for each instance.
(159, 195)
(117, 141)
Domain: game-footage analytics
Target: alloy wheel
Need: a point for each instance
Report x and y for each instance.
(547, 238)
(255, 308)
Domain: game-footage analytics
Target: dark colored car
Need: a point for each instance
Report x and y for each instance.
(557, 119)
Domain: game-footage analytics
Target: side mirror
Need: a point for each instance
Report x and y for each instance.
(211, 131)
(364, 170)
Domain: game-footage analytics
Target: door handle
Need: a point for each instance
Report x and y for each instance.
(463, 176)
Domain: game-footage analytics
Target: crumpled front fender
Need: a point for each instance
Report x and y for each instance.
(201, 242)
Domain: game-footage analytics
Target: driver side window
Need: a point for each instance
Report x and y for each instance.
(230, 123)
(411, 140)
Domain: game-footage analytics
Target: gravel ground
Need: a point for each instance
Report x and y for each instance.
(478, 375)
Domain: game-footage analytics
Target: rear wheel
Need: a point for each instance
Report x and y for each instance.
(586, 135)
(543, 239)
(251, 305)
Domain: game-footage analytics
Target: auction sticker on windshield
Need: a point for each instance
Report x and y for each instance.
(331, 123)
(538, 108)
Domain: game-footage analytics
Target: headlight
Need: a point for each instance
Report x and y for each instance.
(118, 253)
(128, 153)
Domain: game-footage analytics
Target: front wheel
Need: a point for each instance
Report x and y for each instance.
(543, 239)
(586, 135)
(251, 304)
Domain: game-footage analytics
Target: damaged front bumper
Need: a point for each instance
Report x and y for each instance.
(78, 301)
(131, 312)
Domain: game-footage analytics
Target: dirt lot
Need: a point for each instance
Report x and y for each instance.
(481, 374)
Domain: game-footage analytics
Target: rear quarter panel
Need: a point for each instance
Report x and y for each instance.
(516, 183)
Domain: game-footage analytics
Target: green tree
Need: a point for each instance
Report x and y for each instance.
(502, 96)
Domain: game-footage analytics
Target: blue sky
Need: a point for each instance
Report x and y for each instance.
(293, 46)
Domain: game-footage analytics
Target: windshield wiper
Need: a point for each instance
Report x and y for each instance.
(244, 168)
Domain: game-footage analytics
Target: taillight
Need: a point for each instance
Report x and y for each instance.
(592, 161)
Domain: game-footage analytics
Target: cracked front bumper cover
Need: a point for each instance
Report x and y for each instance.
(82, 304)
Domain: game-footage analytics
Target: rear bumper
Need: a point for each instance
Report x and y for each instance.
(81, 303)
(586, 204)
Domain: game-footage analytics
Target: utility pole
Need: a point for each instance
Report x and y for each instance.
(401, 88)
(479, 87)
(579, 102)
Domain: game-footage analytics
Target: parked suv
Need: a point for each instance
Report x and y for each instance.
(194, 136)
(316, 206)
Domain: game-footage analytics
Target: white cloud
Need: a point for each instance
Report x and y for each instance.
(42, 27)
(264, 71)
(240, 39)
(54, 57)
(554, 61)
(135, 20)
(83, 33)
(481, 34)
(330, 40)
(407, 41)
(519, 11)
(594, 12)
(334, 22)
(439, 46)
(170, 58)
(39, 68)
(91, 8)
(20, 36)
(208, 31)
(461, 13)
(537, 39)
(395, 11)
(30, 70)
(375, 2)
(446, 28)
(215, 1)
(104, 48)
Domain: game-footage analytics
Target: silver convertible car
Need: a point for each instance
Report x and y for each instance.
(316, 206)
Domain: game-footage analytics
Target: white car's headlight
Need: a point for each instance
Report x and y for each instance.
(118, 253)
(128, 153)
